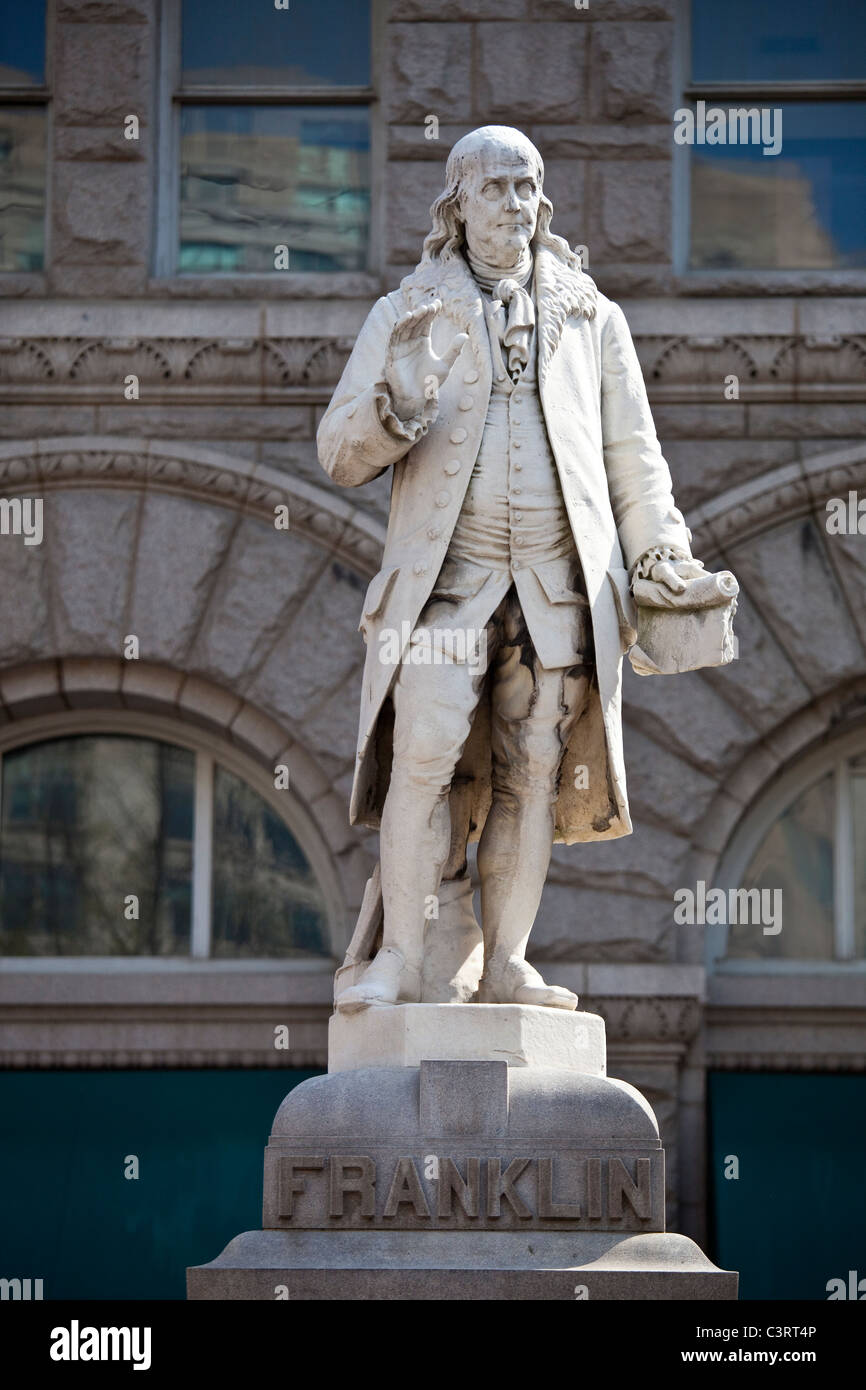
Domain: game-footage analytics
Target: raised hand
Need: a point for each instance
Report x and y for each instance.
(412, 369)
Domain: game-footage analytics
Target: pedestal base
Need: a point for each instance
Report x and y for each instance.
(402, 1265)
(463, 1151)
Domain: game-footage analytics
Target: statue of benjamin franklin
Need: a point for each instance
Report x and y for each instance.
(528, 494)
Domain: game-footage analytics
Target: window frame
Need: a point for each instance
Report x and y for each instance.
(41, 95)
(208, 751)
(172, 95)
(687, 92)
(835, 757)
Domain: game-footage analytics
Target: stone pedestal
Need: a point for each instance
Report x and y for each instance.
(407, 1034)
(518, 1171)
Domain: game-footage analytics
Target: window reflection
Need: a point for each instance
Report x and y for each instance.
(314, 42)
(97, 842)
(22, 43)
(89, 824)
(797, 857)
(22, 187)
(803, 208)
(257, 177)
(266, 898)
(777, 41)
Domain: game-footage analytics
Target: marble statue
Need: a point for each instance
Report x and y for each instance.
(533, 540)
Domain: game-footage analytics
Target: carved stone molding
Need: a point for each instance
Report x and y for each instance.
(206, 475)
(173, 368)
(645, 1019)
(767, 367)
(677, 367)
(93, 1059)
(794, 490)
(724, 1060)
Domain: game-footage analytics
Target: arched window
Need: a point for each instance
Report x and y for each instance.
(115, 843)
(805, 838)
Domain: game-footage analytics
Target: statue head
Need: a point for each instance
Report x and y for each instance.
(493, 201)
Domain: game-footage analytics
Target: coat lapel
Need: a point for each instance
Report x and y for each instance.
(560, 291)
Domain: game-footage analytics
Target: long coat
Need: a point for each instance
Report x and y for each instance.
(615, 482)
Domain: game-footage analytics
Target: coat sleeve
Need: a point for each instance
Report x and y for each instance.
(359, 434)
(639, 479)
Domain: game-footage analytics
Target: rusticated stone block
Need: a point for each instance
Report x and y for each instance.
(24, 632)
(247, 610)
(289, 684)
(630, 72)
(430, 71)
(630, 211)
(605, 926)
(90, 537)
(100, 214)
(565, 185)
(790, 577)
(102, 73)
(106, 11)
(99, 143)
(181, 545)
(412, 188)
(553, 54)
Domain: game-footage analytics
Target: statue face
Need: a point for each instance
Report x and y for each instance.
(499, 206)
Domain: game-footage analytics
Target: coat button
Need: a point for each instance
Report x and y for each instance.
(442, 499)
(518, 516)
(515, 444)
(471, 378)
(517, 491)
(518, 540)
(419, 567)
(457, 436)
(466, 403)
(518, 468)
(452, 467)
(433, 533)
(515, 564)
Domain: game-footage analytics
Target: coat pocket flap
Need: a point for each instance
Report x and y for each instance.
(378, 591)
(561, 580)
(626, 609)
(459, 580)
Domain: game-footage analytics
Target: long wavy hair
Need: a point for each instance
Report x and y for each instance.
(446, 237)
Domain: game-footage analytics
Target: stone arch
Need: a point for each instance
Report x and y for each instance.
(247, 629)
(698, 749)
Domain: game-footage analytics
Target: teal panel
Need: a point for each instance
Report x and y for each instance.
(796, 1215)
(70, 1217)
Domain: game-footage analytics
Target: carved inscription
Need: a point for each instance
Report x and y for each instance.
(412, 1190)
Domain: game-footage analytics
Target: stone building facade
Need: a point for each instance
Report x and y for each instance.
(159, 523)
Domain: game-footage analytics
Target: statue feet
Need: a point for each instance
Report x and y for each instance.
(387, 980)
(513, 980)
